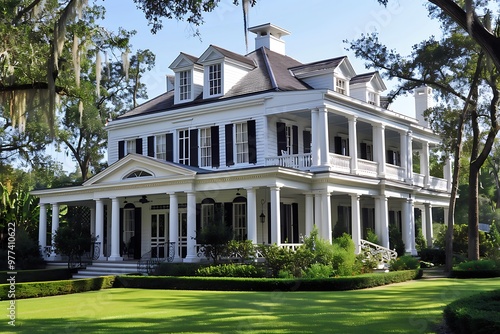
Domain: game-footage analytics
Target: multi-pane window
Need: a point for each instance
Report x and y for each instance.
(215, 79)
(184, 147)
(205, 147)
(185, 85)
(161, 147)
(344, 146)
(340, 86)
(289, 139)
(241, 142)
(240, 221)
(130, 146)
(372, 98)
(207, 214)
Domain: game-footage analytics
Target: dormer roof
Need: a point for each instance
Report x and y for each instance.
(215, 53)
(372, 77)
(183, 60)
(324, 66)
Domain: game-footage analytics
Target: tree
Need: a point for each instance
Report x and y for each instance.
(73, 240)
(214, 237)
(458, 69)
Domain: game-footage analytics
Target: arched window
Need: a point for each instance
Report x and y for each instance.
(137, 173)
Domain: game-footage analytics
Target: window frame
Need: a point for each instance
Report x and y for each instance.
(130, 146)
(183, 151)
(241, 143)
(185, 85)
(161, 146)
(240, 220)
(205, 144)
(214, 78)
(341, 86)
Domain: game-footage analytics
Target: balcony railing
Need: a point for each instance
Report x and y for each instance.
(297, 161)
(340, 163)
(438, 183)
(395, 172)
(367, 167)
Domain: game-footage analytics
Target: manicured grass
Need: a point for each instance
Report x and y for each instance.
(410, 307)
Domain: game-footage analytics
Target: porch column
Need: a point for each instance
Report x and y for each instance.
(356, 222)
(424, 164)
(275, 219)
(379, 148)
(115, 230)
(403, 143)
(173, 225)
(318, 219)
(323, 137)
(42, 228)
(446, 220)
(408, 227)
(191, 255)
(309, 214)
(382, 221)
(55, 226)
(428, 224)
(448, 173)
(409, 158)
(252, 215)
(327, 215)
(99, 225)
(315, 138)
(353, 144)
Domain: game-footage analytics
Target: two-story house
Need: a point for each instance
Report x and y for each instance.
(267, 144)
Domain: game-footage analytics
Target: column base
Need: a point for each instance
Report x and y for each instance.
(54, 257)
(115, 258)
(191, 259)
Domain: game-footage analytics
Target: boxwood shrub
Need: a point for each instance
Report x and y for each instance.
(475, 314)
(232, 270)
(265, 284)
(54, 288)
(476, 269)
(38, 275)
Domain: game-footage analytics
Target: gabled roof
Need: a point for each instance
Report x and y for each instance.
(373, 77)
(327, 66)
(183, 60)
(223, 53)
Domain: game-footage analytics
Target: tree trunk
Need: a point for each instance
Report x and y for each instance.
(473, 235)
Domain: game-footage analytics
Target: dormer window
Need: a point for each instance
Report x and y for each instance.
(185, 84)
(340, 86)
(372, 98)
(215, 79)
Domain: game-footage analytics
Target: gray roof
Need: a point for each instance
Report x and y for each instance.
(361, 78)
(271, 73)
(317, 65)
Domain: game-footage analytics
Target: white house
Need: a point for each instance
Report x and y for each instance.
(268, 144)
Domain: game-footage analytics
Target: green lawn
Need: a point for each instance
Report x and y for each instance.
(411, 307)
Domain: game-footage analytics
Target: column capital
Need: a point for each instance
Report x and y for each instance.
(352, 118)
(251, 188)
(171, 193)
(357, 196)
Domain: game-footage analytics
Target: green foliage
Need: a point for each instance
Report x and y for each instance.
(371, 237)
(461, 243)
(176, 269)
(318, 270)
(55, 288)
(343, 256)
(277, 258)
(433, 255)
(396, 240)
(40, 275)
(231, 270)
(420, 242)
(405, 262)
(73, 240)
(214, 237)
(478, 265)
(243, 250)
(475, 314)
(28, 255)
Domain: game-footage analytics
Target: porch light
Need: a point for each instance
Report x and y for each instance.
(262, 218)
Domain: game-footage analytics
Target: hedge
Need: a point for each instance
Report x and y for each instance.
(265, 284)
(38, 275)
(54, 288)
(459, 273)
(477, 314)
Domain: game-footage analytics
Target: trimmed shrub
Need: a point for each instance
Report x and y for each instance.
(27, 253)
(265, 284)
(405, 262)
(231, 270)
(476, 269)
(318, 270)
(38, 275)
(177, 269)
(55, 288)
(476, 314)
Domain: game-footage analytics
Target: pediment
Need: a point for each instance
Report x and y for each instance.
(210, 54)
(139, 168)
(183, 60)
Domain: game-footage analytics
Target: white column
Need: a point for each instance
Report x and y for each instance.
(356, 222)
(446, 220)
(99, 225)
(323, 137)
(318, 219)
(275, 219)
(408, 227)
(42, 228)
(115, 230)
(327, 215)
(424, 164)
(315, 138)
(423, 219)
(448, 173)
(379, 148)
(191, 255)
(403, 143)
(309, 214)
(353, 144)
(382, 225)
(173, 225)
(252, 215)
(55, 226)
(428, 224)
(409, 147)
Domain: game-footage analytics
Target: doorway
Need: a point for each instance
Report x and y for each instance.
(159, 233)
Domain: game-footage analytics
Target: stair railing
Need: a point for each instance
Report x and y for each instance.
(380, 254)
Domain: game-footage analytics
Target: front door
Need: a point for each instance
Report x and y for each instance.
(159, 235)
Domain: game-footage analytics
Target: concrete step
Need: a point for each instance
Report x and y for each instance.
(104, 268)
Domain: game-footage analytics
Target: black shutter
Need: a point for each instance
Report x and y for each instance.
(282, 223)
(295, 139)
(169, 150)
(137, 234)
(151, 146)
(295, 222)
(338, 145)
(281, 137)
(252, 142)
(363, 152)
(193, 147)
(121, 149)
(306, 136)
(269, 222)
(229, 145)
(215, 146)
(138, 146)
(218, 213)
(228, 214)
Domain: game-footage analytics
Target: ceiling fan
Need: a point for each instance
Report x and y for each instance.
(144, 199)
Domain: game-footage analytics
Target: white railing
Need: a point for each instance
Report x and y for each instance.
(340, 163)
(297, 161)
(438, 183)
(293, 247)
(376, 252)
(394, 172)
(418, 179)
(368, 168)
